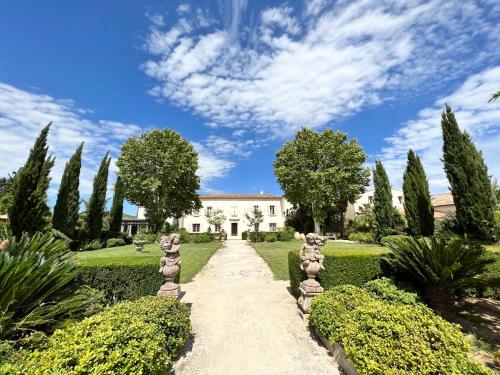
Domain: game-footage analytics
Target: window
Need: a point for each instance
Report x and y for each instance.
(234, 211)
(271, 210)
(217, 228)
(272, 227)
(370, 199)
(209, 211)
(400, 198)
(196, 228)
(255, 208)
(196, 213)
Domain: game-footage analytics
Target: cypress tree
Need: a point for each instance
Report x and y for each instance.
(115, 215)
(95, 210)
(383, 209)
(28, 211)
(67, 205)
(418, 206)
(469, 181)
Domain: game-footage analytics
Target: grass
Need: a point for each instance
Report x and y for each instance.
(494, 248)
(193, 255)
(276, 253)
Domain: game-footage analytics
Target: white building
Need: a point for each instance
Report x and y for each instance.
(367, 200)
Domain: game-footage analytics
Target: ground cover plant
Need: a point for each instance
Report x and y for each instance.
(124, 273)
(386, 335)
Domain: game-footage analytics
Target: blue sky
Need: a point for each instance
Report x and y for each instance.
(237, 78)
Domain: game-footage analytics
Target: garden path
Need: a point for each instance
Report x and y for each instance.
(244, 322)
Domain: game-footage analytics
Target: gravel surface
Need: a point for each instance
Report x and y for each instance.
(244, 322)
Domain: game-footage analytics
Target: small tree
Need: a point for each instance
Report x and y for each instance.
(67, 205)
(254, 218)
(116, 213)
(469, 181)
(217, 219)
(95, 210)
(158, 170)
(28, 211)
(383, 209)
(418, 206)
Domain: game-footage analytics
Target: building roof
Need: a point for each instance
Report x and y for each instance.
(240, 196)
(445, 199)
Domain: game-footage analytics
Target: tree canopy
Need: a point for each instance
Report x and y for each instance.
(158, 170)
(321, 169)
(383, 208)
(97, 201)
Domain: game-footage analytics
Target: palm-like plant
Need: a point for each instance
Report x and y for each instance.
(38, 288)
(440, 266)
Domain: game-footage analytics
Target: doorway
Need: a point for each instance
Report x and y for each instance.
(234, 229)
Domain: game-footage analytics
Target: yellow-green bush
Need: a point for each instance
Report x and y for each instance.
(381, 337)
(139, 337)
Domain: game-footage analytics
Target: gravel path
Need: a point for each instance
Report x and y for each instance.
(244, 322)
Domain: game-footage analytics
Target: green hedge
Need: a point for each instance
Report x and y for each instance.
(285, 234)
(339, 270)
(140, 337)
(363, 237)
(123, 282)
(381, 337)
(492, 271)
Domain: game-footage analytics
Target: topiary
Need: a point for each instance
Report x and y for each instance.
(386, 290)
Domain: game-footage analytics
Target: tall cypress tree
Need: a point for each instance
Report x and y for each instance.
(28, 211)
(95, 210)
(418, 206)
(469, 181)
(115, 215)
(383, 209)
(67, 205)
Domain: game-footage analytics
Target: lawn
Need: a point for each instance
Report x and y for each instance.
(194, 256)
(276, 253)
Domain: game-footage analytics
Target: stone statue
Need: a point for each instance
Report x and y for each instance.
(222, 235)
(170, 264)
(311, 261)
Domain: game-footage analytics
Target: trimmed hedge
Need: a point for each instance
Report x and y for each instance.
(140, 337)
(113, 242)
(363, 237)
(386, 290)
(339, 269)
(123, 282)
(381, 337)
(285, 234)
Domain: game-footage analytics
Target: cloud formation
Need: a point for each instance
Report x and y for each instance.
(474, 114)
(311, 66)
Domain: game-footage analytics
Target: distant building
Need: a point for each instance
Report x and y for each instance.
(367, 199)
(443, 205)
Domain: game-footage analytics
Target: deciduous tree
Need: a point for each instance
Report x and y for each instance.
(254, 219)
(217, 218)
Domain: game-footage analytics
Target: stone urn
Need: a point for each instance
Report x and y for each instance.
(139, 244)
(311, 261)
(170, 265)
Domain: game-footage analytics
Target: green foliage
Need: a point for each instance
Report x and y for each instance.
(113, 242)
(67, 205)
(93, 245)
(321, 170)
(6, 186)
(385, 289)
(447, 227)
(440, 266)
(158, 170)
(116, 213)
(418, 206)
(492, 272)
(217, 218)
(254, 218)
(140, 337)
(39, 288)
(364, 222)
(95, 210)
(469, 181)
(28, 211)
(148, 237)
(363, 237)
(286, 234)
(271, 237)
(382, 337)
(391, 237)
(339, 270)
(383, 209)
(187, 237)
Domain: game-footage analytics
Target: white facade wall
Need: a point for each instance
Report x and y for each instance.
(367, 198)
(235, 209)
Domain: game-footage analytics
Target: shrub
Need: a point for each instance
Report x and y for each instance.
(113, 242)
(202, 237)
(339, 270)
(386, 290)
(286, 234)
(364, 237)
(270, 237)
(38, 288)
(390, 238)
(148, 237)
(93, 245)
(139, 337)
(257, 238)
(185, 237)
(492, 272)
(381, 337)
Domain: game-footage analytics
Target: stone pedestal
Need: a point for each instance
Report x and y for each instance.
(309, 289)
(169, 289)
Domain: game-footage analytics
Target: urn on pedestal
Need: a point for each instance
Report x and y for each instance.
(170, 265)
(311, 261)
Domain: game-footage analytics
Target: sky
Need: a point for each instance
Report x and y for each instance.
(238, 78)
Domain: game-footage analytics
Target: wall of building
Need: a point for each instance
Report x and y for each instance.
(367, 198)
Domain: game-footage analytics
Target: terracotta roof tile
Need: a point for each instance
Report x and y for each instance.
(445, 199)
(240, 196)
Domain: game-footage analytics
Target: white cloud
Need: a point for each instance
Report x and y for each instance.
(321, 65)
(210, 166)
(474, 114)
(24, 113)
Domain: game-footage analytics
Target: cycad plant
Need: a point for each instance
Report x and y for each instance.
(440, 266)
(37, 286)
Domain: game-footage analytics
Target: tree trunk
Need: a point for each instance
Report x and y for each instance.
(342, 217)
(440, 299)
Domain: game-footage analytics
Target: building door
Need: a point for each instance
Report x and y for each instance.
(234, 229)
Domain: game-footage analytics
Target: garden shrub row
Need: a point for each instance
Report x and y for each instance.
(285, 234)
(339, 269)
(139, 337)
(388, 336)
(187, 237)
(363, 237)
